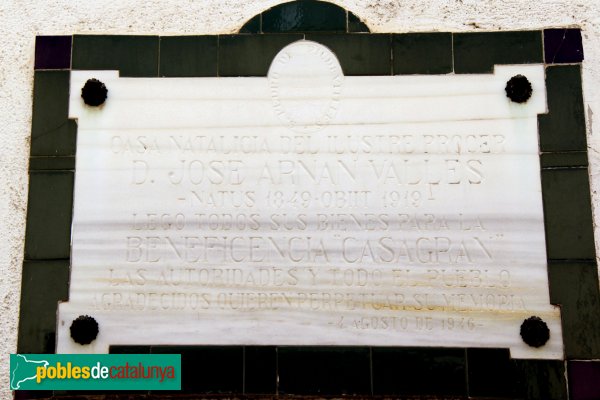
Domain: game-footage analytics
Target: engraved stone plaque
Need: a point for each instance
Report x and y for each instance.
(310, 208)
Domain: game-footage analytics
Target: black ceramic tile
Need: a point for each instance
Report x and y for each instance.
(125, 349)
(49, 211)
(51, 163)
(563, 128)
(561, 160)
(359, 54)
(53, 52)
(493, 374)
(254, 25)
(563, 46)
(324, 370)
(542, 379)
(476, 53)
(250, 55)
(32, 394)
(575, 288)
(356, 25)
(584, 380)
(422, 53)
(567, 214)
(188, 56)
(260, 369)
(133, 56)
(422, 371)
(99, 394)
(208, 369)
(96, 394)
(52, 133)
(43, 285)
(304, 16)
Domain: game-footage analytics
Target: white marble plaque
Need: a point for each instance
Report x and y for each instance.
(309, 208)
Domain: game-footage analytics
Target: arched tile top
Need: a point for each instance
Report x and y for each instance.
(304, 16)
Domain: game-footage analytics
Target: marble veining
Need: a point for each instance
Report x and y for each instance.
(309, 208)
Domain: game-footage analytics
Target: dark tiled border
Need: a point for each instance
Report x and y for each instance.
(260, 370)
(133, 56)
(422, 53)
(574, 286)
(52, 133)
(188, 56)
(563, 46)
(584, 378)
(52, 163)
(568, 214)
(493, 374)
(251, 55)
(563, 128)
(272, 370)
(50, 203)
(53, 52)
(476, 53)
(418, 371)
(305, 16)
(324, 370)
(359, 54)
(44, 284)
(366, 371)
(574, 159)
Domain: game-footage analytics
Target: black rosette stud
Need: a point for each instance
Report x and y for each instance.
(84, 329)
(535, 332)
(518, 89)
(94, 93)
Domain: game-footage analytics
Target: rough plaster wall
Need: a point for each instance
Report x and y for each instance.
(22, 20)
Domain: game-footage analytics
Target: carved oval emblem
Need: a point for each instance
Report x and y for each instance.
(305, 79)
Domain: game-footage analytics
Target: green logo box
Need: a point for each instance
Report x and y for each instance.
(95, 372)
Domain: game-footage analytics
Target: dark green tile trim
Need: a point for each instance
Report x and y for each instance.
(44, 284)
(356, 25)
(576, 159)
(304, 16)
(260, 370)
(492, 374)
(250, 55)
(568, 214)
(476, 53)
(133, 56)
(422, 53)
(128, 349)
(574, 286)
(32, 394)
(207, 369)
(52, 163)
(49, 213)
(324, 370)
(542, 379)
(52, 133)
(188, 56)
(563, 128)
(419, 371)
(359, 54)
